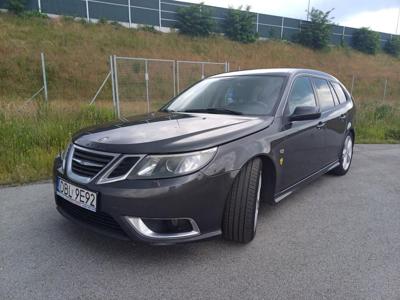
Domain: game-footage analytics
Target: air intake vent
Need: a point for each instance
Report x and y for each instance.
(87, 163)
(124, 166)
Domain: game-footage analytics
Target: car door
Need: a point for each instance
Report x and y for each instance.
(302, 145)
(333, 119)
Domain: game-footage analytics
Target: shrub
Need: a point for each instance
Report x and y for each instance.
(195, 20)
(392, 46)
(239, 25)
(16, 6)
(34, 14)
(148, 28)
(365, 40)
(316, 33)
(102, 21)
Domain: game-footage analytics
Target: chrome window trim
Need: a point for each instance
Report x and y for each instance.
(140, 227)
(104, 178)
(83, 179)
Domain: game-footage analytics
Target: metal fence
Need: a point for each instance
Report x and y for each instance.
(163, 13)
(140, 85)
(189, 72)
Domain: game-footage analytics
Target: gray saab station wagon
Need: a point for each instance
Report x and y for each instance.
(200, 166)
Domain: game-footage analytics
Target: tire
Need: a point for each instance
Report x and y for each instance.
(241, 209)
(346, 157)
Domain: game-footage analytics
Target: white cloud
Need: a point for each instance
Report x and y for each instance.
(384, 20)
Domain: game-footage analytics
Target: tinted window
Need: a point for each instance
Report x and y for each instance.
(302, 94)
(339, 92)
(253, 95)
(324, 94)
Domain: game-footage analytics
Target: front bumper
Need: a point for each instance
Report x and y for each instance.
(122, 205)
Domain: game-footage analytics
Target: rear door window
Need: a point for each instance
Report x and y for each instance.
(302, 94)
(324, 94)
(339, 92)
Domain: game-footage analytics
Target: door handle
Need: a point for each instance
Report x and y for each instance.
(343, 117)
(321, 125)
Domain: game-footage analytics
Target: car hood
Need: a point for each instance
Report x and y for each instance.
(169, 132)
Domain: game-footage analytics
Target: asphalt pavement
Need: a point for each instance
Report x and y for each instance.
(338, 238)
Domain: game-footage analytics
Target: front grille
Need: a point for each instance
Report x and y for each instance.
(87, 163)
(97, 219)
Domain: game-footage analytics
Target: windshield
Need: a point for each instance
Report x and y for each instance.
(247, 95)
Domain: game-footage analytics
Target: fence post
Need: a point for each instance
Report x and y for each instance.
(146, 77)
(352, 85)
(174, 76)
(344, 28)
(129, 13)
(283, 19)
(177, 77)
(39, 3)
(258, 16)
(113, 83)
(202, 70)
(116, 86)
(87, 11)
(46, 98)
(384, 91)
(159, 13)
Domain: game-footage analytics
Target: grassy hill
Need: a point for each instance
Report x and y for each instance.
(77, 62)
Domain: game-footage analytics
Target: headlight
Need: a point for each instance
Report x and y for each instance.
(164, 166)
(63, 156)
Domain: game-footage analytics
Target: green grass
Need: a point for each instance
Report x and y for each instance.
(377, 123)
(29, 143)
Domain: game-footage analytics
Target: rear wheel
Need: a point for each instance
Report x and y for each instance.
(241, 210)
(346, 157)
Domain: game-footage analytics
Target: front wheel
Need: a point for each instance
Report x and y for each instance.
(241, 210)
(346, 157)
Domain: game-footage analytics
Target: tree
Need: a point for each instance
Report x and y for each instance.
(366, 40)
(16, 6)
(316, 33)
(392, 46)
(195, 20)
(239, 25)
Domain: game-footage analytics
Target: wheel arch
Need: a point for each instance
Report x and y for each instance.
(269, 177)
(353, 134)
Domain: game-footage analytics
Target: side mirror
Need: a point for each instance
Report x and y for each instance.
(304, 113)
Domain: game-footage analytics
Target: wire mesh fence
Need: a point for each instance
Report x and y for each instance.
(142, 84)
(132, 85)
(189, 72)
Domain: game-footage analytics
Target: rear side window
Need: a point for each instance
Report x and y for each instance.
(339, 92)
(302, 94)
(324, 94)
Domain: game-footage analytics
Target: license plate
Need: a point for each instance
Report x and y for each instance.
(76, 195)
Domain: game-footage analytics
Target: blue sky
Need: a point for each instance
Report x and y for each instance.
(378, 15)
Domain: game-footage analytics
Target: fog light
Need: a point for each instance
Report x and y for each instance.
(164, 228)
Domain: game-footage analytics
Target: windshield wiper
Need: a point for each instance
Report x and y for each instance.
(216, 110)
